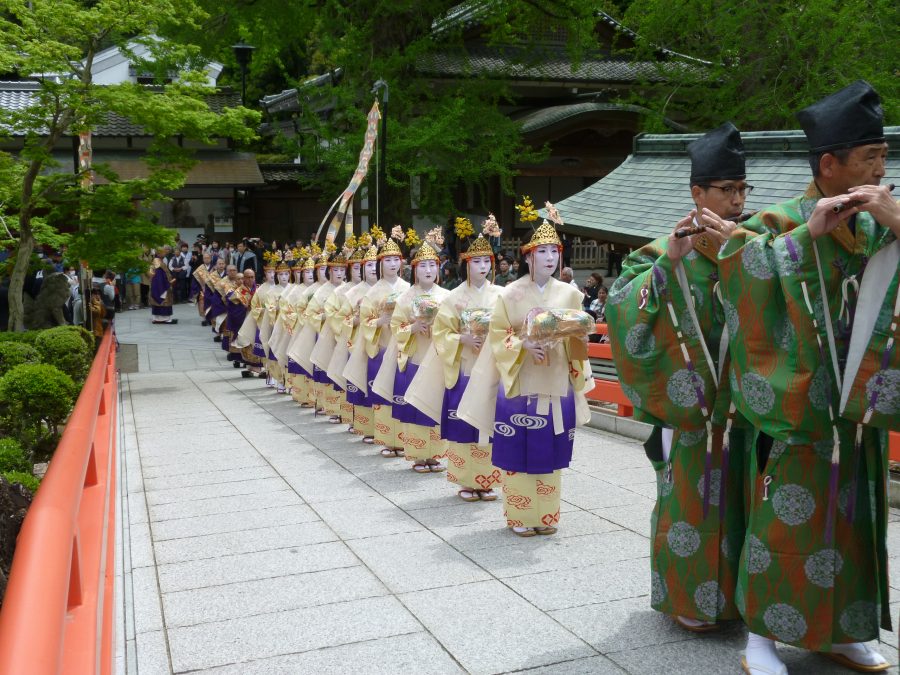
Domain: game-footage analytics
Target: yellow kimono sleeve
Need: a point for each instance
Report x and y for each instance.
(368, 326)
(314, 316)
(334, 307)
(445, 337)
(401, 324)
(507, 347)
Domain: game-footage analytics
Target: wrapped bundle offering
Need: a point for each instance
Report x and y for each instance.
(425, 308)
(387, 305)
(201, 274)
(475, 321)
(546, 327)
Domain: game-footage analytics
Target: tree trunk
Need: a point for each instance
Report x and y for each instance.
(17, 279)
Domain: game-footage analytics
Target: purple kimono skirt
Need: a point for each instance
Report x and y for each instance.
(524, 440)
(452, 428)
(403, 411)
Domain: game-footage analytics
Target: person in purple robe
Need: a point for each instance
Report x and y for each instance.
(161, 293)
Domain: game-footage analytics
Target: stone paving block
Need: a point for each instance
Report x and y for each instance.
(166, 470)
(518, 636)
(627, 477)
(152, 657)
(182, 495)
(231, 569)
(413, 653)
(413, 561)
(602, 582)
(140, 546)
(635, 517)
(327, 486)
(587, 492)
(485, 535)
(548, 554)
(244, 541)
(137, 507)
(396, 477)
(300, 459)
(621, 625)
(436, 495)
(131, 657)
(300, 630)
(232, 522)
(264, 596)
(365, 517)
(147, 614)
(222, 505)
(592, 665)
(461, 513)
(209, 478)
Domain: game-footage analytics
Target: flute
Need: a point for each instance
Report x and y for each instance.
(837, 208)
(697, 229)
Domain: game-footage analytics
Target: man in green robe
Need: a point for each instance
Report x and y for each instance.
(666, 327)
(811, 299)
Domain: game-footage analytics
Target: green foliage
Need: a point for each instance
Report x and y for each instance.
(80, 331)
(443, 131)
(27, 337)
(12, 457)
(66, 350)
(27, 480)
(35, 400)
(14, 354)
(767, 58)
(63, 37)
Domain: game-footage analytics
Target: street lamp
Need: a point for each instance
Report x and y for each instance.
(243, 53)
(381, 179)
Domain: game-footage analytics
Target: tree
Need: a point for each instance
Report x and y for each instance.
(443, 133)
(767, 59)
(55, 42)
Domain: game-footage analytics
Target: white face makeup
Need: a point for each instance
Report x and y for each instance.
(321, 273)
(355, 272)
(426, 273)
(479, 268)
(270, 276)
(307, 277)
(390, 267)
(298, 276)
(371, 270)
(284, 278)
(543, 261)
(337, 274)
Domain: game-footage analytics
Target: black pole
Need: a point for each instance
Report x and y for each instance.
(244, 85)
(242, 54)
(381, 180)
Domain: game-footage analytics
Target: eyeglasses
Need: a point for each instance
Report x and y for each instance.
(732, 190)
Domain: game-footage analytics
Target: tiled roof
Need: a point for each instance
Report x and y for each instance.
(20, 95)
(552, 63)
(282, 173)
(648, 193)
(542, 118)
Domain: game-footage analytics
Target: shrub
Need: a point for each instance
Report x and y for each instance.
(12, 457)
(14, 354)
(80, 331)
(32, 396)
(23, 478)
(66, 350)
(28, 337)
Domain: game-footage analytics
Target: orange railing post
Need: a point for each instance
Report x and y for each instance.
(608, 391)
(58, 612)
(894, 446)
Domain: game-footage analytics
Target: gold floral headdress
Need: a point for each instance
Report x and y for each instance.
(282, 267)
(546, 234)
(271, 259)
(390, 247)
(337, 260)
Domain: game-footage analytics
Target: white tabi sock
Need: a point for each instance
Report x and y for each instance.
(859, 652)
(761, 657)
(694, 623)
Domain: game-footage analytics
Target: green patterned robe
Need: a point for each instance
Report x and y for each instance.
(694, 559)
(795, 584)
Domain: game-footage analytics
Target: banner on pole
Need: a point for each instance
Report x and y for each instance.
(344, 213)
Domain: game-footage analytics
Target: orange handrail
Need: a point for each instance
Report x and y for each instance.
(894, 446)
(58, 613)
(608, 391)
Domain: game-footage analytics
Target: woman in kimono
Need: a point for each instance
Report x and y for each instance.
(248, 335)
(337, 308)
(301, 384)
(458, 342)
(411, 330)
(540, 397)
(357, 397)
(275, 376)
(288, 315)
(331, 273)
(375, 312)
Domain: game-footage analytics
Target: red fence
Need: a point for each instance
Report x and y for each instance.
(58, 613)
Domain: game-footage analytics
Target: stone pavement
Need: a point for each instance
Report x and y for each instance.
(259, 539)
